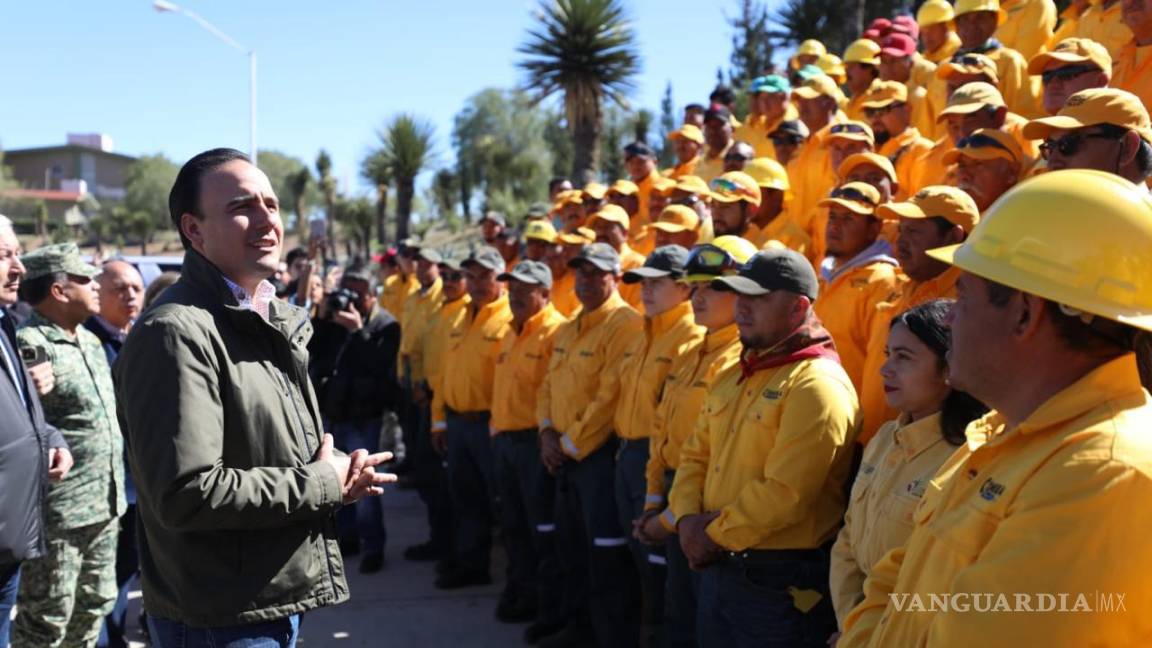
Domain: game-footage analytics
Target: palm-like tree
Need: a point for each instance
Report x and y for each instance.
(375, 169)
(297, 186)
(327, 183)
(405, 150)
(585, 49)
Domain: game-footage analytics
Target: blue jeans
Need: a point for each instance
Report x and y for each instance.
(9, 585)
(280, 633)
(364, 519)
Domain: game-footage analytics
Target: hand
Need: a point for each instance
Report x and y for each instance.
(551, 453)
(349, 319)
(698, 546)
(419, 394)
(834, 639)
(59, 463)
(356, 472)
(42, 377)
(440, 442)
(651, 530)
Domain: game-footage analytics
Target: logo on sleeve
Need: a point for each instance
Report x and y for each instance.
(990, 490)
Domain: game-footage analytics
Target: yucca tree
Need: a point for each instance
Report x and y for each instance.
(406, 149)
(375, 169)
(586, 50)
(327, 184)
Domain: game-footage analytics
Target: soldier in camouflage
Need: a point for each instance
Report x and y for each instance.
(65, 594)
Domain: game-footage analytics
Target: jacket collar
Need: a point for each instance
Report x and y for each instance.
(537, 320)
(679, 314)
(51, 330)
(720, 339)
(587, 319)
(938, 286)
(878, 252)
(202, 276)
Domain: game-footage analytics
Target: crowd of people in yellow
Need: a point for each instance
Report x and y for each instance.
(861, 357)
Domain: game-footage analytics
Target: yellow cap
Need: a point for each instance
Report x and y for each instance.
(663, 185)
(819, 86)
(677, 218)
(832, 66)
(882, 94)
(986, 144)
(811, 47)
(594, 190)
(569, 197)
(768, 173)
(865, 50)
(693, 184)
(934, 12)
(971, 97)
(972, 6)
(1092, 107)
(1070, 51)
(969, 64)
(735, 186)
(624, 188)
(949, 203)
(852, 130)
(582, 236)
(612, 214)
(856, 197)
(540, 230)
(690, 132)
(860, 159)
(1077, 237)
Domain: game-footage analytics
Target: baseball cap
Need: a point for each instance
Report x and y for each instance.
(495, 217)
(530, 272)
(624, 188)
(452, 263)
(772, 83)
(638, 149)
(1093, 107)
(594, 190)
(852, 130)
(486, 257)
(537, 211)
(832, 66)
(735, 186)
(540, 230)
(690, 132)
(662, 186)
(882, 94)
(808, 71)
(430, 255)
(972, 6)
(898, 45)
(50, 259)
(856, 197)
(864, 50)
(820, 86)
(582, 236)
(717, 111)
(768, 174)
(986, 144)
(951, 203)
(769, 270)
(667, 261)
(570, 197)
(600, 255)
(971, 97)
(677, 218)
(867, 157)
(790, 128)
(693, 184)
(1073, 50)
(612, 214)
(970, 63)
(905, 25)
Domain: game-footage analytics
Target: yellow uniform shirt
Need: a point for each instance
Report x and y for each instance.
(911, 293)
(922, 112)
(771, 454)
(847, 307)
(1053, 506)
(855, 107)
(580, 391)
(1133, 72)
(892, 478)
(682, 169)
(945, 51)
(1021, 91)
(682, 397)
(470, 359)
(929, 168)
(708, 168)
(756, 129)
(810, 172)
(629, 260)
(784, 230)
(1105, 25)
(905, 151)
(1029, 26)
(1014, 125)
(645, 365)
(923, 72)
(1068, 28)
(520, 370)
(564, 294)
(436, 343)
(395, 293)
(420, 307)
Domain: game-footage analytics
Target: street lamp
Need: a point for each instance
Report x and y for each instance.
(163, 6)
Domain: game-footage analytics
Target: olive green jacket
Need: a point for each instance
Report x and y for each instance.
(221, 425)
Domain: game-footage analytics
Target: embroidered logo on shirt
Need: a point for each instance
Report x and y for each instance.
(772, 394)
(915, 488)
(990, 490)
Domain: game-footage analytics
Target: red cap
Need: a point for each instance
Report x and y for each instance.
(872, 35)
(898, 45)
(905, 25)
(881, 25)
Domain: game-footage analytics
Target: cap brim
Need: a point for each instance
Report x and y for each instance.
(896, 211)
(469, 262)
(946, 254)
(636, 275)
(539, 238)
(960, 109)
(603, 266)
(671, 228)
(528, 279)
(880, 103)
(855, 137)
(1040, 128)
(982, 153)
(894, 52)
(739, 285)
(1041, 61)
(725, 199)
(850, 205)
(805, 92)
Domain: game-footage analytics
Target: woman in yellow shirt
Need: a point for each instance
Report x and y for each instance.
(905, 453)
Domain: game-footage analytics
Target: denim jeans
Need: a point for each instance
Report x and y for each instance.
(280, 633)
(9, 586)
(363, 520)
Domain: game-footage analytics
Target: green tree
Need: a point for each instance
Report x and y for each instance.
(669, 122)
(835, 23)
(618, 131)
(406, 147)
(375, 169)
(444, 196)
(356, 217)
(558, 138)
(585, 50)
(752, 47)
(146, 186)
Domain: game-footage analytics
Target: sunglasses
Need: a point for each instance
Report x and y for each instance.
(1066, 73)
(687, 201)
(786, 140)
(1069, 144)
(454, 275)
(727, 186)
(708, 259)
(981, 141)
(855, 195)
(736, 157)
(848, 128)
(877, 112)
(969, 60)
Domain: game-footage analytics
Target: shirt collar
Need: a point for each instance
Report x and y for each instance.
(112, 331)
(665, 321)
(719, 339)
(259, 303)
(914, 437)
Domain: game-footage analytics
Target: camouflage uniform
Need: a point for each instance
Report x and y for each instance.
(65, 594)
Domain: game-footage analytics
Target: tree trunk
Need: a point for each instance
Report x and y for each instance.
(586, 145)
(405, 191)
(330, 221)
(855, 19)
(381, 214)
(301, 222)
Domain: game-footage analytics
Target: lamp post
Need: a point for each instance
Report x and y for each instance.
(163, 6)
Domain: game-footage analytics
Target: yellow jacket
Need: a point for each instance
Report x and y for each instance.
(1133, 71)
(1053, 507)
(905, 151)
(1105, 26)
(772, 455)
(629, 260)
(564, 294)
(847, 306)
(922, 111)
(420, 307)
(446, 320)
(473, 346)
(520, 370)
(784, 230)
(682, 169)
(1029, 26)
(810, 172)
(708, 168)
(892, 478)
(908, 294)
(397, 288)
(682, 397)
(1068, 27)
(580, 391)
(929, 168)
(1021, 91)
(756, 129)
(945, 51)
(646, 363)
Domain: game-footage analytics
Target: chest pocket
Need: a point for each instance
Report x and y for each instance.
(963, 528)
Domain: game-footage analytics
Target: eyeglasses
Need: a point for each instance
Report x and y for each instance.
(708, 259)
(853, 194)
(1067, 72)
(1069, 144)
(848, 128)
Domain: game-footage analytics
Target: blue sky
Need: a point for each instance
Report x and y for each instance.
(330, 73)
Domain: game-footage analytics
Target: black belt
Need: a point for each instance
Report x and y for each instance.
(469, 417)
(527, 435)
(766, 557)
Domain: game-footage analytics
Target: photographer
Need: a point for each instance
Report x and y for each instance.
(354, 369)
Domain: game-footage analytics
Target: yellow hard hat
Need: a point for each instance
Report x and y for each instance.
(540, 230)
(1076, 237)
(810, 47)
(832, 66)
(972, 6)
(864, 51)
(768, 173)
(934, 12)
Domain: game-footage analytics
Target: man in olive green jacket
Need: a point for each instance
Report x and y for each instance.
(237, 483)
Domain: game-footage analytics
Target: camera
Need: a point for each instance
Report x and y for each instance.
(342, 300)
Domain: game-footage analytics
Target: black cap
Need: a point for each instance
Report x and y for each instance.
(600, 255)
(717, 111)
(530, 272)
(638, 149)
(666, 261)
(486, 257)
(792, 127)
(772, 269)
